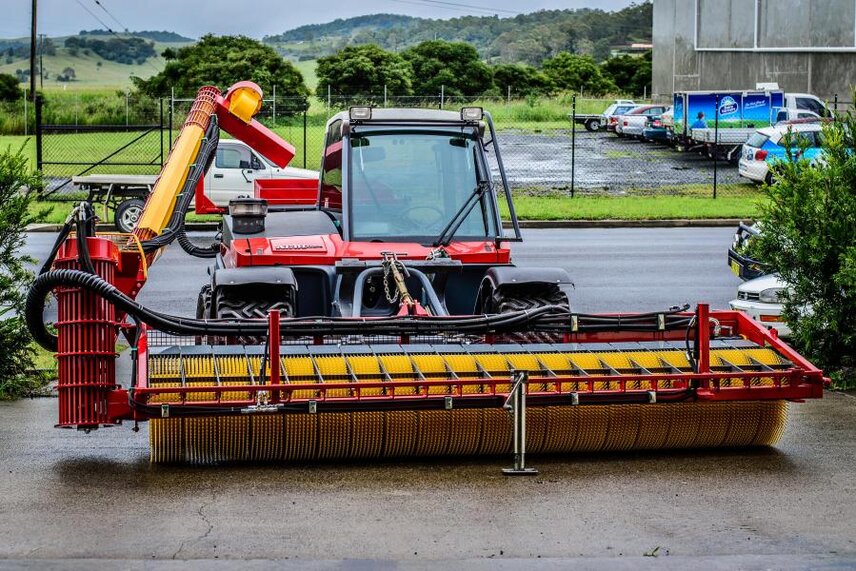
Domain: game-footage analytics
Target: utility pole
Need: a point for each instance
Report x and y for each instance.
(33, 52)
(41, 61)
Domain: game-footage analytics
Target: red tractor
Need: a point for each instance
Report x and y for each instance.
(376, 313)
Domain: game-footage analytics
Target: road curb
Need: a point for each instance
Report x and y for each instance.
(674, 223)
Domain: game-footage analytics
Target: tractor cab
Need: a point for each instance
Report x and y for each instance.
(409, 175)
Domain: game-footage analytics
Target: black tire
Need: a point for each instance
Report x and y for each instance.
(251, 302)
(592, 125)
(517, 298)
(128, 214)
(203, 303)
(770, 179)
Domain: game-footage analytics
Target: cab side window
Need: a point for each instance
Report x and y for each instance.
(331, 172)
(233, 158)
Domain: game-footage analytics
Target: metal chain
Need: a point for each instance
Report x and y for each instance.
(389, 297)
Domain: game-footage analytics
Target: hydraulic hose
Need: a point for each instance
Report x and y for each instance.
(529, 319)
(175, 230)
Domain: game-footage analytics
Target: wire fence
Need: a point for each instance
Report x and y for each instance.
(551, 146)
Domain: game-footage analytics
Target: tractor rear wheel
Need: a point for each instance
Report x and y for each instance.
(522, 297)
(251, 302)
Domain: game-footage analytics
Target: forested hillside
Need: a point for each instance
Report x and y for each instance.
(527, 38)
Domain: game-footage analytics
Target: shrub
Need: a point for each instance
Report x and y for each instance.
(809, 238)
(18, 188)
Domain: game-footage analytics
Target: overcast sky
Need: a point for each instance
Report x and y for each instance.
(253, 18)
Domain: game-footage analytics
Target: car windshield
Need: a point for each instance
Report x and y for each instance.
(412, 184)
(757, 140)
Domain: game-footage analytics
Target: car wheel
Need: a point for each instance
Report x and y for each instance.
(128, 214)
(593, 125)
(770, 179)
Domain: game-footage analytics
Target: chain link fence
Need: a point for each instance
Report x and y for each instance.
(549, 145)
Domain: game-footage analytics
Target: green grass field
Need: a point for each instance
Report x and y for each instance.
(89, 75)
(634, 207)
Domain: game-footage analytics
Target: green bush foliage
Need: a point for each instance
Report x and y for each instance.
(574, 73)
(809, 238)
(9, 89)
(363, 70)
(18, 188)
(222, 61)
(454, 67)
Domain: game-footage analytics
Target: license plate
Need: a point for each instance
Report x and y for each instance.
(735, 267)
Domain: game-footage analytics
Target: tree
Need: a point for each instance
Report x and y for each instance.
(18, 187)
(454, 66)
(363, 70)
(222, 61)
(9, 90)
(67, 74)
(630, 73)
(809, 239)
(575, 73)
(524, 80)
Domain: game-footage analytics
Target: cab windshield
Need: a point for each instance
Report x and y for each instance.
(411, 184)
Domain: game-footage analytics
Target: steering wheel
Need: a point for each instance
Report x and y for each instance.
(405, 221)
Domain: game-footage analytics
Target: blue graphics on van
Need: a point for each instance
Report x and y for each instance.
(750, 109)
(728, 106)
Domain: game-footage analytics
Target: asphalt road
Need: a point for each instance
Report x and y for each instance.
(614, 269)
(69, 500)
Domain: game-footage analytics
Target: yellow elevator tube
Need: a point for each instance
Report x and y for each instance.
(161, 202)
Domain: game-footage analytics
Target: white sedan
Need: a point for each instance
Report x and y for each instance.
(759, 298)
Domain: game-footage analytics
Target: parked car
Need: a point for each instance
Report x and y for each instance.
(770, 145)
(595, 122)
(620, 107)
(656, 128)
(760, 299)
(744, 266)
(633, 122)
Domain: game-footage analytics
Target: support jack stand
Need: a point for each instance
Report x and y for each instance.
(516, 405)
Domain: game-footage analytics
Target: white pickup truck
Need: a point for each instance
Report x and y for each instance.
(232, 174)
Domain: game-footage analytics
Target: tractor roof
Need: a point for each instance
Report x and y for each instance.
(395, 115)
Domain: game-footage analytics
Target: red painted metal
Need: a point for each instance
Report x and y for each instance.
(203, 204)
(273, 348)
(330, 248)
(87, 326)
(255, 135)
(287, 191)
(703, 337)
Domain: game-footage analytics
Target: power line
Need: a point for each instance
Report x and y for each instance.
(100, 5)
(110, 30)
(455, 6)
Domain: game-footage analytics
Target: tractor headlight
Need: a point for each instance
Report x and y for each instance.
(771, 295)
(248, 215)
(360, 113)
(472, 113)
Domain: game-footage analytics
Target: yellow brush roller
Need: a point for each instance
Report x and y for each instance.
(406, 433)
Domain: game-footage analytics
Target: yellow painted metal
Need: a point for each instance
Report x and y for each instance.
(184, 153)
(244, 103)
(459, 431)
(396, 434)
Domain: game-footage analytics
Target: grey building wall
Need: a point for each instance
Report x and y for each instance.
(729, 27)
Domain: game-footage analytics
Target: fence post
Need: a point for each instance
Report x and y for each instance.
(160, 100)
(715, 142)
(384, 95)
(836, 105)
(274, 105)
(39, 132)
(26, 117)
(305, 108)
(171, 112)
(508, 96)
(328, 98)
(573, 140)
(127, 105)
(442, 95)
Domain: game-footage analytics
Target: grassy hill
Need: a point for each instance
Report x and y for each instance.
(528, 38)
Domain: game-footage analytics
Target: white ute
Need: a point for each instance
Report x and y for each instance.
(231, 175)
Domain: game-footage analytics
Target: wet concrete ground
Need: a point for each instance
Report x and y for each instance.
(70, 500)
(68, 495)
(604, 163)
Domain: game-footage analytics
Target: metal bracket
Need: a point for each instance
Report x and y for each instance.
(164, 411)
(516, 405)
(313, 407)
(447, 403)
